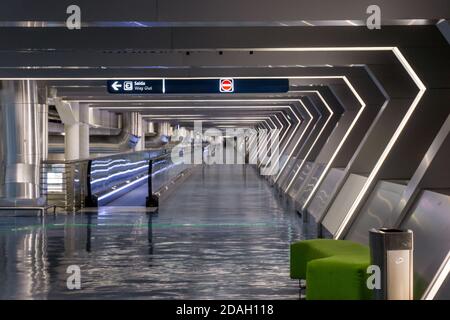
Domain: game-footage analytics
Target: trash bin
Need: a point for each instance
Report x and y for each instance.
(392, 251)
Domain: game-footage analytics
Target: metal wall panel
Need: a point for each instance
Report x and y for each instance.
(444, 291)
(302, 194)
(301, 177)
(343, 202)
(429, 219)
(378, 211)
(323, 195)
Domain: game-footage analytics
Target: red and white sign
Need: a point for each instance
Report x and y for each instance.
(226, 85)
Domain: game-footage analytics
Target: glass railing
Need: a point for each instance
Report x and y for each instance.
(93, 182)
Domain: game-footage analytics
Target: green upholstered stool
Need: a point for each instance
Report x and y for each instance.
(333, 269)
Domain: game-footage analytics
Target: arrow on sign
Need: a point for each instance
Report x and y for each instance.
(116, 85)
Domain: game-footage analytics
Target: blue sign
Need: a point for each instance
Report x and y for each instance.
(198, 86)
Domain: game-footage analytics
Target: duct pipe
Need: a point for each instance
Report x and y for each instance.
(122, 142)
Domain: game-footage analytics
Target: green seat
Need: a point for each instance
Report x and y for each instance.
(333, 269)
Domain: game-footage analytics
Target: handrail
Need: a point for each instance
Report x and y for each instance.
(56, 161)
(95, 181)
(112, 181)
(152, 200)
(37, 208)
(67, 183)
(90, 200)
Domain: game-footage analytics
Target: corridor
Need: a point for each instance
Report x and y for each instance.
(222, 234)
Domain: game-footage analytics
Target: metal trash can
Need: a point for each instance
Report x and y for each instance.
(392, 251)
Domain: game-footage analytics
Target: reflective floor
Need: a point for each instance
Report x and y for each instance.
(222, 234)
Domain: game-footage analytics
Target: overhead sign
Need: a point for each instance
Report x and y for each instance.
(198, 86)
(135, 86)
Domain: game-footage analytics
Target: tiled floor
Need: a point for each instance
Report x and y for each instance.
(221, 234)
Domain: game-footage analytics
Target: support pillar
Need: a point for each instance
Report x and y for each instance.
(151, 126)
(84, 131)
(72, 134)
(137, 130)
(20, 138)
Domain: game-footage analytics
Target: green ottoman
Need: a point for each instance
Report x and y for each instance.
(333, 269)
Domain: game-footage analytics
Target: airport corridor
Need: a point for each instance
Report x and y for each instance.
(221, 234)
(242, 150)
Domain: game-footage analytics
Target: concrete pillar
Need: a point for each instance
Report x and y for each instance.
(76, 129)
(72, 134)
(141, 133)
(151, 126)
(137, 129)
(164, 128)
(43, 123)
(20, 137)
(84, 131)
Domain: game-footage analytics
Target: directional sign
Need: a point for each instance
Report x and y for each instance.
(135, 86)
(199, 86)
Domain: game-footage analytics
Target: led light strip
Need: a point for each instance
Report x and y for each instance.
(263, 147)
(315, 141)
(439, 278)
(343, 140)
(297, 143)
(121, 173)
(128, 164)
(293, 133)
(132, 183)
(280, 129)
(273, 142)
(252, 140)
(371, 180)
(216, 119)
(265, 142)
(285, 132)
(99, 163)
(318, 49)
(282, 139)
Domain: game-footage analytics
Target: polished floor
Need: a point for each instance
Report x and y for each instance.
(222, 234)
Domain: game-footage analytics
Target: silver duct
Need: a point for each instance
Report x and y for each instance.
(124, 141)
(21, 144)
(164, 128)
(152, 140)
